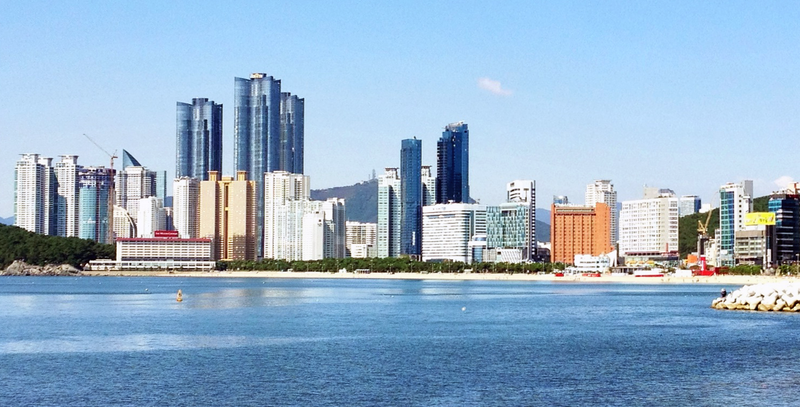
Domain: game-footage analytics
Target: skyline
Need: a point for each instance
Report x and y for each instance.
(680, 91)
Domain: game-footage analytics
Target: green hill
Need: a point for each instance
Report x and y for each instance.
(19, 244)
(687, 226)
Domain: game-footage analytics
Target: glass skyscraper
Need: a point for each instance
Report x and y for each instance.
(786, 208)
(411, 197)
(292, 133)
(198, 139)
(94, 189)
(452, 177)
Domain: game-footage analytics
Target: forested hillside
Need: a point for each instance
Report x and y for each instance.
(687, 226)
(19, 244)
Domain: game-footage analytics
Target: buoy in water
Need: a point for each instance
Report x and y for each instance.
(463, 308)
(179, 298)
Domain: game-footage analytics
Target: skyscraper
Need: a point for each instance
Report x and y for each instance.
(199, 139)
(34, 194)
(389, 213)
(602, 191)
(411, 197)
(260, 145)
(286, 196)
(428, 186)
(452, 176)
(690, 204)
(512, 225)
(151, 217)
(292, 133)
(735, 200)
(448, 230)
(786, 208)
(227, 216)
(649, 226)
(66, 209)
(94, 186)
(576, 229)
(185, 206)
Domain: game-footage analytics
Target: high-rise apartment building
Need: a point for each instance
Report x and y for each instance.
(324, 230)
(736, 200)
(649, 227)
(292, 133)
(259, 144)
(286, 196)
(185, 207)
(35, 194)
(361, 239)
(411, 197)
(198, 139)
(690, 204)
(428, 186)
(786, 246)
(452, 175)
(94, 195)
(124, 226)
(389, 213)
(66, 210)
(578, 229)
(448, 229)
(602, 191)
(133, 183)
(151, 217)
(227, 216)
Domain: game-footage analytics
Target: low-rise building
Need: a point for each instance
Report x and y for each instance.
(168, 253)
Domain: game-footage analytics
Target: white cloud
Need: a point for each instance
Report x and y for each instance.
(784, 181)
(493, 86)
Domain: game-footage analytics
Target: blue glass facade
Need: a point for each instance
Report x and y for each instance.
(787, 227)
(94, 187)
(452, 177)
(411, 197)
(292, 133)
(727, 202)
(198, 139)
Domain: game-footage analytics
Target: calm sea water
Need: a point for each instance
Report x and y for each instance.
(126, 341)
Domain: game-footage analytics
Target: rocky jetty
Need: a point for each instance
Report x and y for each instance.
(762, 297)
(20, 268)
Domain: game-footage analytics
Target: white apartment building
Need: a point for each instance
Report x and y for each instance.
(389, 213)
(186, 206)
(124, 226)
(649, 227)
(447, 230)
(34, 194)
(132, 184)
(362, 235)
(520, 190)
(286, 197)
(428, 186)
(602, 191)
(151, 217)
(67, 203)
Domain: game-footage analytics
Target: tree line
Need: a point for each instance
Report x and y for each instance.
(19, 244)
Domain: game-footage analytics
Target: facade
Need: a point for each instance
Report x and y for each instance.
(151, 217)
(752, 245)
(507, 226)
(159, 253)
(361, 239)
(227, 216)
(198, 139)
(736, 200)
(602, 191)
(35, 194)
(292, 133)
(66, 206)
(124, 226)
(578, 229)
(324, 230)
(95, 186)
(690, 204)
(185, 207)
(448, 230)
(649, 227)
(411, 197)
(389, 213)
(428, 186)
(133, 183)
(452, 167)
(786, 208)
(286, 196)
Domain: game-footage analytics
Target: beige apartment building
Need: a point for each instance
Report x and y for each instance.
(227, 216)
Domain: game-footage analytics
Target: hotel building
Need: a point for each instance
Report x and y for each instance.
(578, 229)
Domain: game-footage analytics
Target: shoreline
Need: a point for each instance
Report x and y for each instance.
(719, 279)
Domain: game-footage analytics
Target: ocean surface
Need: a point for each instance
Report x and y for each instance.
(312, 342)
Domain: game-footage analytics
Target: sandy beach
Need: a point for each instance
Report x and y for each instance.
(726, 280)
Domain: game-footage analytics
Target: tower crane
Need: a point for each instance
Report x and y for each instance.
(111, 191)
(702, 238)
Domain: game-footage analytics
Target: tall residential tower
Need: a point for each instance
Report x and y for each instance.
(452, 177)
(198, 139)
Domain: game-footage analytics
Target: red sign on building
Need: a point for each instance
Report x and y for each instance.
(166, 233)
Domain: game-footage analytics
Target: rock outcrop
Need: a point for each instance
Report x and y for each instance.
(762, 297)
(20, 268)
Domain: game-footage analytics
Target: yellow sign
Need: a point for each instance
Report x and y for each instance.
(759, 218)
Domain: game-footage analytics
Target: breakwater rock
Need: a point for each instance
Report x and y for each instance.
(20, 268)
(762, 297)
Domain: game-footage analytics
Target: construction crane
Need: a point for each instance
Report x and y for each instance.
(702, 238)
(111, 191)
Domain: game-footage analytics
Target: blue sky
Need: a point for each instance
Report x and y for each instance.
(680, 95)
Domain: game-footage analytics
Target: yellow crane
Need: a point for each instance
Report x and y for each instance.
(111, 191)
(702, 238)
